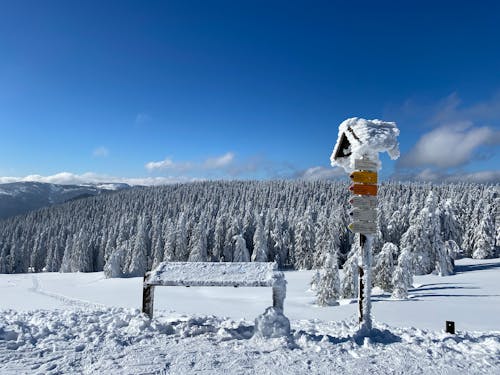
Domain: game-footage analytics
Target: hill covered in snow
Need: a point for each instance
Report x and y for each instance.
(21, 197)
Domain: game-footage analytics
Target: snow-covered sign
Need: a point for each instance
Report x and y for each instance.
(364, 227)
(364, 215)
(357, 151)
(365, 165)
(364, 177)
(361, 189)
(363, 202)
(364, 139)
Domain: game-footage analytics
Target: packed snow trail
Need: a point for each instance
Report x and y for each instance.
(122, 341)
(64, 299)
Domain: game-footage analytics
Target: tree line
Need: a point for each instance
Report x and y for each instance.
(299, 224)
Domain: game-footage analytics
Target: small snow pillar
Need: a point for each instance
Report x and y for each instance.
(279, 293)
(147, 297)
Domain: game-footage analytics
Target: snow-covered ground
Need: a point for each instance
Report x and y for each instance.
(83, 323)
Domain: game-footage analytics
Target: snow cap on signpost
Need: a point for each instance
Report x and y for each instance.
(360, 138)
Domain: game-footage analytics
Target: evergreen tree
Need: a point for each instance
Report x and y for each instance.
(199, 251)
(137, 264)
(328, 289)
(260, 250)
(240, 249)
(351, 271)
(304, 242)
(403, 275)
(384, 267)
(484, 237)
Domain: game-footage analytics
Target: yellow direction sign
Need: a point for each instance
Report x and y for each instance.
(364, 177)
(360, 189)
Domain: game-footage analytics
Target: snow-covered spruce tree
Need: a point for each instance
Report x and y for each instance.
(328, 289)
(304, 241)
(280, 236)
(234, 229)
(396, 227)
(484, 237)
(137, 259)
(199, 250)
(240, 249)
(351, 272)
(169, 242)
(453, 250)
(219, 234)
(423, 237)
(325, 240)
(449, 222)
(444, 259)
(384, 267)
(313, 284)
(260, 249)
(114, 264)
(181, 239)
(403, 275)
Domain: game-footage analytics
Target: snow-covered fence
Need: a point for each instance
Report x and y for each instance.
(244, 274)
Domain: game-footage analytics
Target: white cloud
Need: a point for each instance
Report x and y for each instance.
(449, 146)
(437, 176)
(321, 173)
(219, 162)
(100, 152)
(158, 165)
(67, 178)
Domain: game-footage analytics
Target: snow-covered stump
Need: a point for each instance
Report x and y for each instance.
(236, 274)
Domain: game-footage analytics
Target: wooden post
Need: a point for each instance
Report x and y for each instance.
(147, 297)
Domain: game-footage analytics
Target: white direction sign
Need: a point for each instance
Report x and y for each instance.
(364, 202)
(364, 227)
(364, 215)
(365, 165)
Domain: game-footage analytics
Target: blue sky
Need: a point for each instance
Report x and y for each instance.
(156, 91)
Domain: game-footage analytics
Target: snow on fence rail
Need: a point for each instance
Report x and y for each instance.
(244, 274)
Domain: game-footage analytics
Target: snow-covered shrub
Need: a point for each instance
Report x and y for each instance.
(328, 288)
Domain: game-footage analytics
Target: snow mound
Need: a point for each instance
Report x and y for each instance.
(272, 324)
(367, 138)
(123, 341)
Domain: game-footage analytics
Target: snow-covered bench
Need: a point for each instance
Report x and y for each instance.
(244, 274)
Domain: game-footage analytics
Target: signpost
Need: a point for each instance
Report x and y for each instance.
(357, 150)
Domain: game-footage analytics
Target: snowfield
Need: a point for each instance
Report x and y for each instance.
(54, 323)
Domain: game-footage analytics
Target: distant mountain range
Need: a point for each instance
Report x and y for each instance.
(21, 197)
